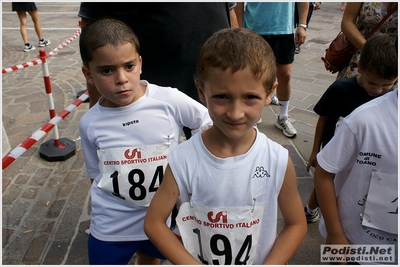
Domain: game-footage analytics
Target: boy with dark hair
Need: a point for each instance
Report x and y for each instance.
(125, 139)
(231, 178)
(356, 181)
(378, 69)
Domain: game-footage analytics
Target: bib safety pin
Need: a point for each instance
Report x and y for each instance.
(190, 200)
(376, 173)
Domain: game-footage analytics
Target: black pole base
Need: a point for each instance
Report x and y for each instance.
(50, 152)
(81, 93)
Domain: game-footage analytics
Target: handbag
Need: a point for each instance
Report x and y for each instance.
(340, 51)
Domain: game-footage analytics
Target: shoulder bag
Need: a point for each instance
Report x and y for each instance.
(340, 51)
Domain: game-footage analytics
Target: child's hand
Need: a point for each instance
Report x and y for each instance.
(312, 161)
(336, 239)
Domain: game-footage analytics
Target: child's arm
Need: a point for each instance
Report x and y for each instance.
(295, 227)
(155, 222)
(319, 133)
(324, 187)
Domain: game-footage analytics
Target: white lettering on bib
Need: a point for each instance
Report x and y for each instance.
(133, 174)
(220, 235)
(382, 204)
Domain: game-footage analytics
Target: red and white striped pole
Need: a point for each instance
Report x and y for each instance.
(38, 61)
(39, 134)
(49, 93)
(57, 149)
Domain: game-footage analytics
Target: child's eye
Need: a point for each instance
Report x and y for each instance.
(106, 71)
(220, 96)
(252, 97)
(130, 67)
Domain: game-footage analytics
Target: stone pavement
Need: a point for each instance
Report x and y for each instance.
(45, 207)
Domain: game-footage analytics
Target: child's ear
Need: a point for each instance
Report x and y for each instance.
(268, 99)
(359, 69)
(140, 63)
(200, 91)
(88, 75)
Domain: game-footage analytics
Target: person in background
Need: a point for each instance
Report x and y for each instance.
(356, 179)
(29, 7)
(378, 68)
(274, 21)
(359, 18)
(296, 19)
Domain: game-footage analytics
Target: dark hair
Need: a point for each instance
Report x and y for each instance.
(237, 48)
(379, 56)
(100, 32)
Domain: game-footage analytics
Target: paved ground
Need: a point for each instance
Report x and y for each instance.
(45, 205)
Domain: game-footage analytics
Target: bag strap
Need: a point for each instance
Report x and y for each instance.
(381, 22)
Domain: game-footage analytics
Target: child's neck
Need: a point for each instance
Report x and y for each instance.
(221, 146)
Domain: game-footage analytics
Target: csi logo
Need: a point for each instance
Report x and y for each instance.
(220, 215)
(135, 153)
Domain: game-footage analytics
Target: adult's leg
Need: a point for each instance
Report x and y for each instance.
(22, 25)
(283, 91)
(35, 18)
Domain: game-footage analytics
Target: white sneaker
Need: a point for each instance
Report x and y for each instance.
(286, 126)
(28, 48)
(45, 42)
(274, 100)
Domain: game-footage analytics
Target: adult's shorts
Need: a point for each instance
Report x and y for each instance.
(23, 6)
(283, 47)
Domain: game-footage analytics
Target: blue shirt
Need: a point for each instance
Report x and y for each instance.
(270, 18)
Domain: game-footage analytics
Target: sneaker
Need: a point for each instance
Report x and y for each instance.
(311, 218)
(28, 48)
(297, 50)
(274, 100)
(286, 126)
(44, 42)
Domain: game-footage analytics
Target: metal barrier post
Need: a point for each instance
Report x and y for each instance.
(54, 149)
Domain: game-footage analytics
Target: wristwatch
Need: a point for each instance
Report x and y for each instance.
(302, 25)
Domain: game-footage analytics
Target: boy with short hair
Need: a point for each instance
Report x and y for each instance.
(230, 178)
(378, 69)
(360, 206)
(125, 139)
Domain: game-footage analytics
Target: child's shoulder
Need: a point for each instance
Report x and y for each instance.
(343, 86)
(267, 145)
(165, 94)
(345, 82)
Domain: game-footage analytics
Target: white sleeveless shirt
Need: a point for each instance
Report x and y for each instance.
(251, 180)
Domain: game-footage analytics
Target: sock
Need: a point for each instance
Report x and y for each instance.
(283, 108)
(41, 40)
(311, 211)
(27, 44)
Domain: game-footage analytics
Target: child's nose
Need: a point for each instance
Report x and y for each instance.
(235, 111)
(121, 77)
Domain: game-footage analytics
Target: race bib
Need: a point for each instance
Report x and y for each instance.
(220, 235)
(382, 204)
(133, 174)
